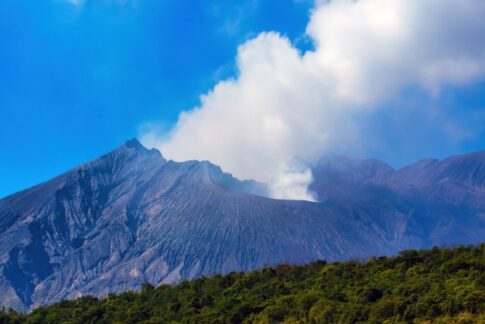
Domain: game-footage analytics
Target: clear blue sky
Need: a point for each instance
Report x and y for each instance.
(76, 83)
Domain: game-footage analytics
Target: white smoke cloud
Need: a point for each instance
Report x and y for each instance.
(285, 105)
(291, 182)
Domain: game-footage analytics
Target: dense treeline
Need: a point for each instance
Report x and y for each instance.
(428, 286)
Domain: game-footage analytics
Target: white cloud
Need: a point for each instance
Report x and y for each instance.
(291, 182)
(374, 48)
(284, 104)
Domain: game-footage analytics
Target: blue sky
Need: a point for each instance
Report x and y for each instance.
(77, 81)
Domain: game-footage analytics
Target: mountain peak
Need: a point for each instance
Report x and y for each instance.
(134, 146)
(134, 143)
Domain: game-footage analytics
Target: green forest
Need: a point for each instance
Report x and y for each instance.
(440, 285)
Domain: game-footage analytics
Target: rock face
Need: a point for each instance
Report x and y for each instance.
(132, 217)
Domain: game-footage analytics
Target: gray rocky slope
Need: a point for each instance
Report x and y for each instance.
(131, 217)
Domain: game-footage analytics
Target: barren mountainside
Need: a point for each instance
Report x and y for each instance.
(132, 217)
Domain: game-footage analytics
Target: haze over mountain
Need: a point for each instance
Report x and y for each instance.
(131, 216)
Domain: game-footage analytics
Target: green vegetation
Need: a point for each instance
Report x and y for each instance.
(427, 286)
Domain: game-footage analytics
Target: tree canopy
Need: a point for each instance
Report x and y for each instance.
(440, 285)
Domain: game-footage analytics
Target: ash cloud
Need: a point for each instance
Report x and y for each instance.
(285, 105)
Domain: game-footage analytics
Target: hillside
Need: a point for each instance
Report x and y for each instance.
(440, 285)
(131, 217)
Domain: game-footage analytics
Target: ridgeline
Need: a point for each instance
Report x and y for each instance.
(441, 285)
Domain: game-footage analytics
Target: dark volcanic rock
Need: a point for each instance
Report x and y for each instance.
(131, 217)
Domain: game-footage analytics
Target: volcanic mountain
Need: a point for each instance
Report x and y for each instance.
(132, 217)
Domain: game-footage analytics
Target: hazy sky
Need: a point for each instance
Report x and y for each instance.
(77, 78)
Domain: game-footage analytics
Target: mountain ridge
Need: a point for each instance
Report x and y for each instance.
(131, 217)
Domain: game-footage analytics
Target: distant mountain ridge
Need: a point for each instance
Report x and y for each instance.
(131, 217)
